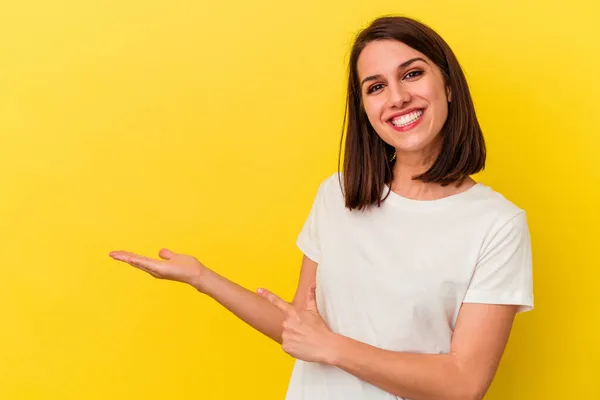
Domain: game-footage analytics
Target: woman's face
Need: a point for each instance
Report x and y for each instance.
(404, 96)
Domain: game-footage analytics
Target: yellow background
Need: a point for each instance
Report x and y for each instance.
(206, 127)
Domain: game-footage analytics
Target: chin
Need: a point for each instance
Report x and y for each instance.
(414, 145)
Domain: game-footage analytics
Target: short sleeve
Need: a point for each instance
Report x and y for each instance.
(308, 239)
(503, 274)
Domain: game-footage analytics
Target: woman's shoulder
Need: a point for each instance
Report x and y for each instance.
(332, 184)
(329, 191)
(491, 201)
(482, 198)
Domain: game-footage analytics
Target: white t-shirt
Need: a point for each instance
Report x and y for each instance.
(395, 276)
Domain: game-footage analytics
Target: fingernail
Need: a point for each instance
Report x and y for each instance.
(260, 290)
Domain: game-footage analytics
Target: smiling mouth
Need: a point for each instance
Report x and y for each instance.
(407, 119)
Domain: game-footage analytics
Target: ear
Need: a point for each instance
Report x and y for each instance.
(449, 94)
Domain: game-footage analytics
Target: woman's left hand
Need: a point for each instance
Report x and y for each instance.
(305, 335)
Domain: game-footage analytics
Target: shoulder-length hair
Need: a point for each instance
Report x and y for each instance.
(368, 160)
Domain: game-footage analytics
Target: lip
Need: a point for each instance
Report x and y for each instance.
(405, 127)
(391, 117)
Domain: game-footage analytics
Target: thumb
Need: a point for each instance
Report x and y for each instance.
(166, 254)
(311, 302)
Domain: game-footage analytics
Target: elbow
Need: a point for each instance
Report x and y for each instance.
(475, 396)
(470, 392)
(465, 389)
(464, 395)
(469, 385)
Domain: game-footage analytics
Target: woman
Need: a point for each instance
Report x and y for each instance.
(421, 270)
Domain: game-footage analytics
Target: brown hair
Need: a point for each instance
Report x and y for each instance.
(368, 160)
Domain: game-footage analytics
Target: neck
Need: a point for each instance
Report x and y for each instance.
(407, 166)
(403, 182)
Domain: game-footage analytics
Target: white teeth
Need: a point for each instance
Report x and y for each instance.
(407, 119)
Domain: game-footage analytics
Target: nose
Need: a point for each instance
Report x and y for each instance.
(398, 95)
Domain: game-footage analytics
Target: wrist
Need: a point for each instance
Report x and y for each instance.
(201, 281)
(335, 349)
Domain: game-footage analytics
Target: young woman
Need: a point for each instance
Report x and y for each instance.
(412, 272)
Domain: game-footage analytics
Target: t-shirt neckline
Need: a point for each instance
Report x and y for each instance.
(399, 200)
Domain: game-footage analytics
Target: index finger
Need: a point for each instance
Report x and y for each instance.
(276, 301)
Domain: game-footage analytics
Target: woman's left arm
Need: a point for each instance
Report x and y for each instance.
(481, 334)
(503, 274)
(479, 339)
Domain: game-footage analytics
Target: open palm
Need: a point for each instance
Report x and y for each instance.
(172, 266)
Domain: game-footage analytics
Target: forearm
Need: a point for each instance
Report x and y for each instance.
(411, 375)
(243, 303)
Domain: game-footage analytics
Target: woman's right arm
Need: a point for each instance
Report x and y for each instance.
(247, 305)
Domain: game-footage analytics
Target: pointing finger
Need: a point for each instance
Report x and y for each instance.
(276, 301)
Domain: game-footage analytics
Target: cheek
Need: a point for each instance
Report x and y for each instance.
(441, 109)
(373, 110)
(438, 103)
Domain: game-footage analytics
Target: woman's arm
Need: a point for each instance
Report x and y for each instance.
(245, 304)
(481, 334)
(479, 339)
(252, 308)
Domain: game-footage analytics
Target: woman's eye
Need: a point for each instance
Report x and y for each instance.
(375, 88)
(413, 74)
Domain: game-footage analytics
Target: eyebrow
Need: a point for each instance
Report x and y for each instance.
(403, 65)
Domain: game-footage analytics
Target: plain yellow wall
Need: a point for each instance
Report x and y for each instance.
(206, 127)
